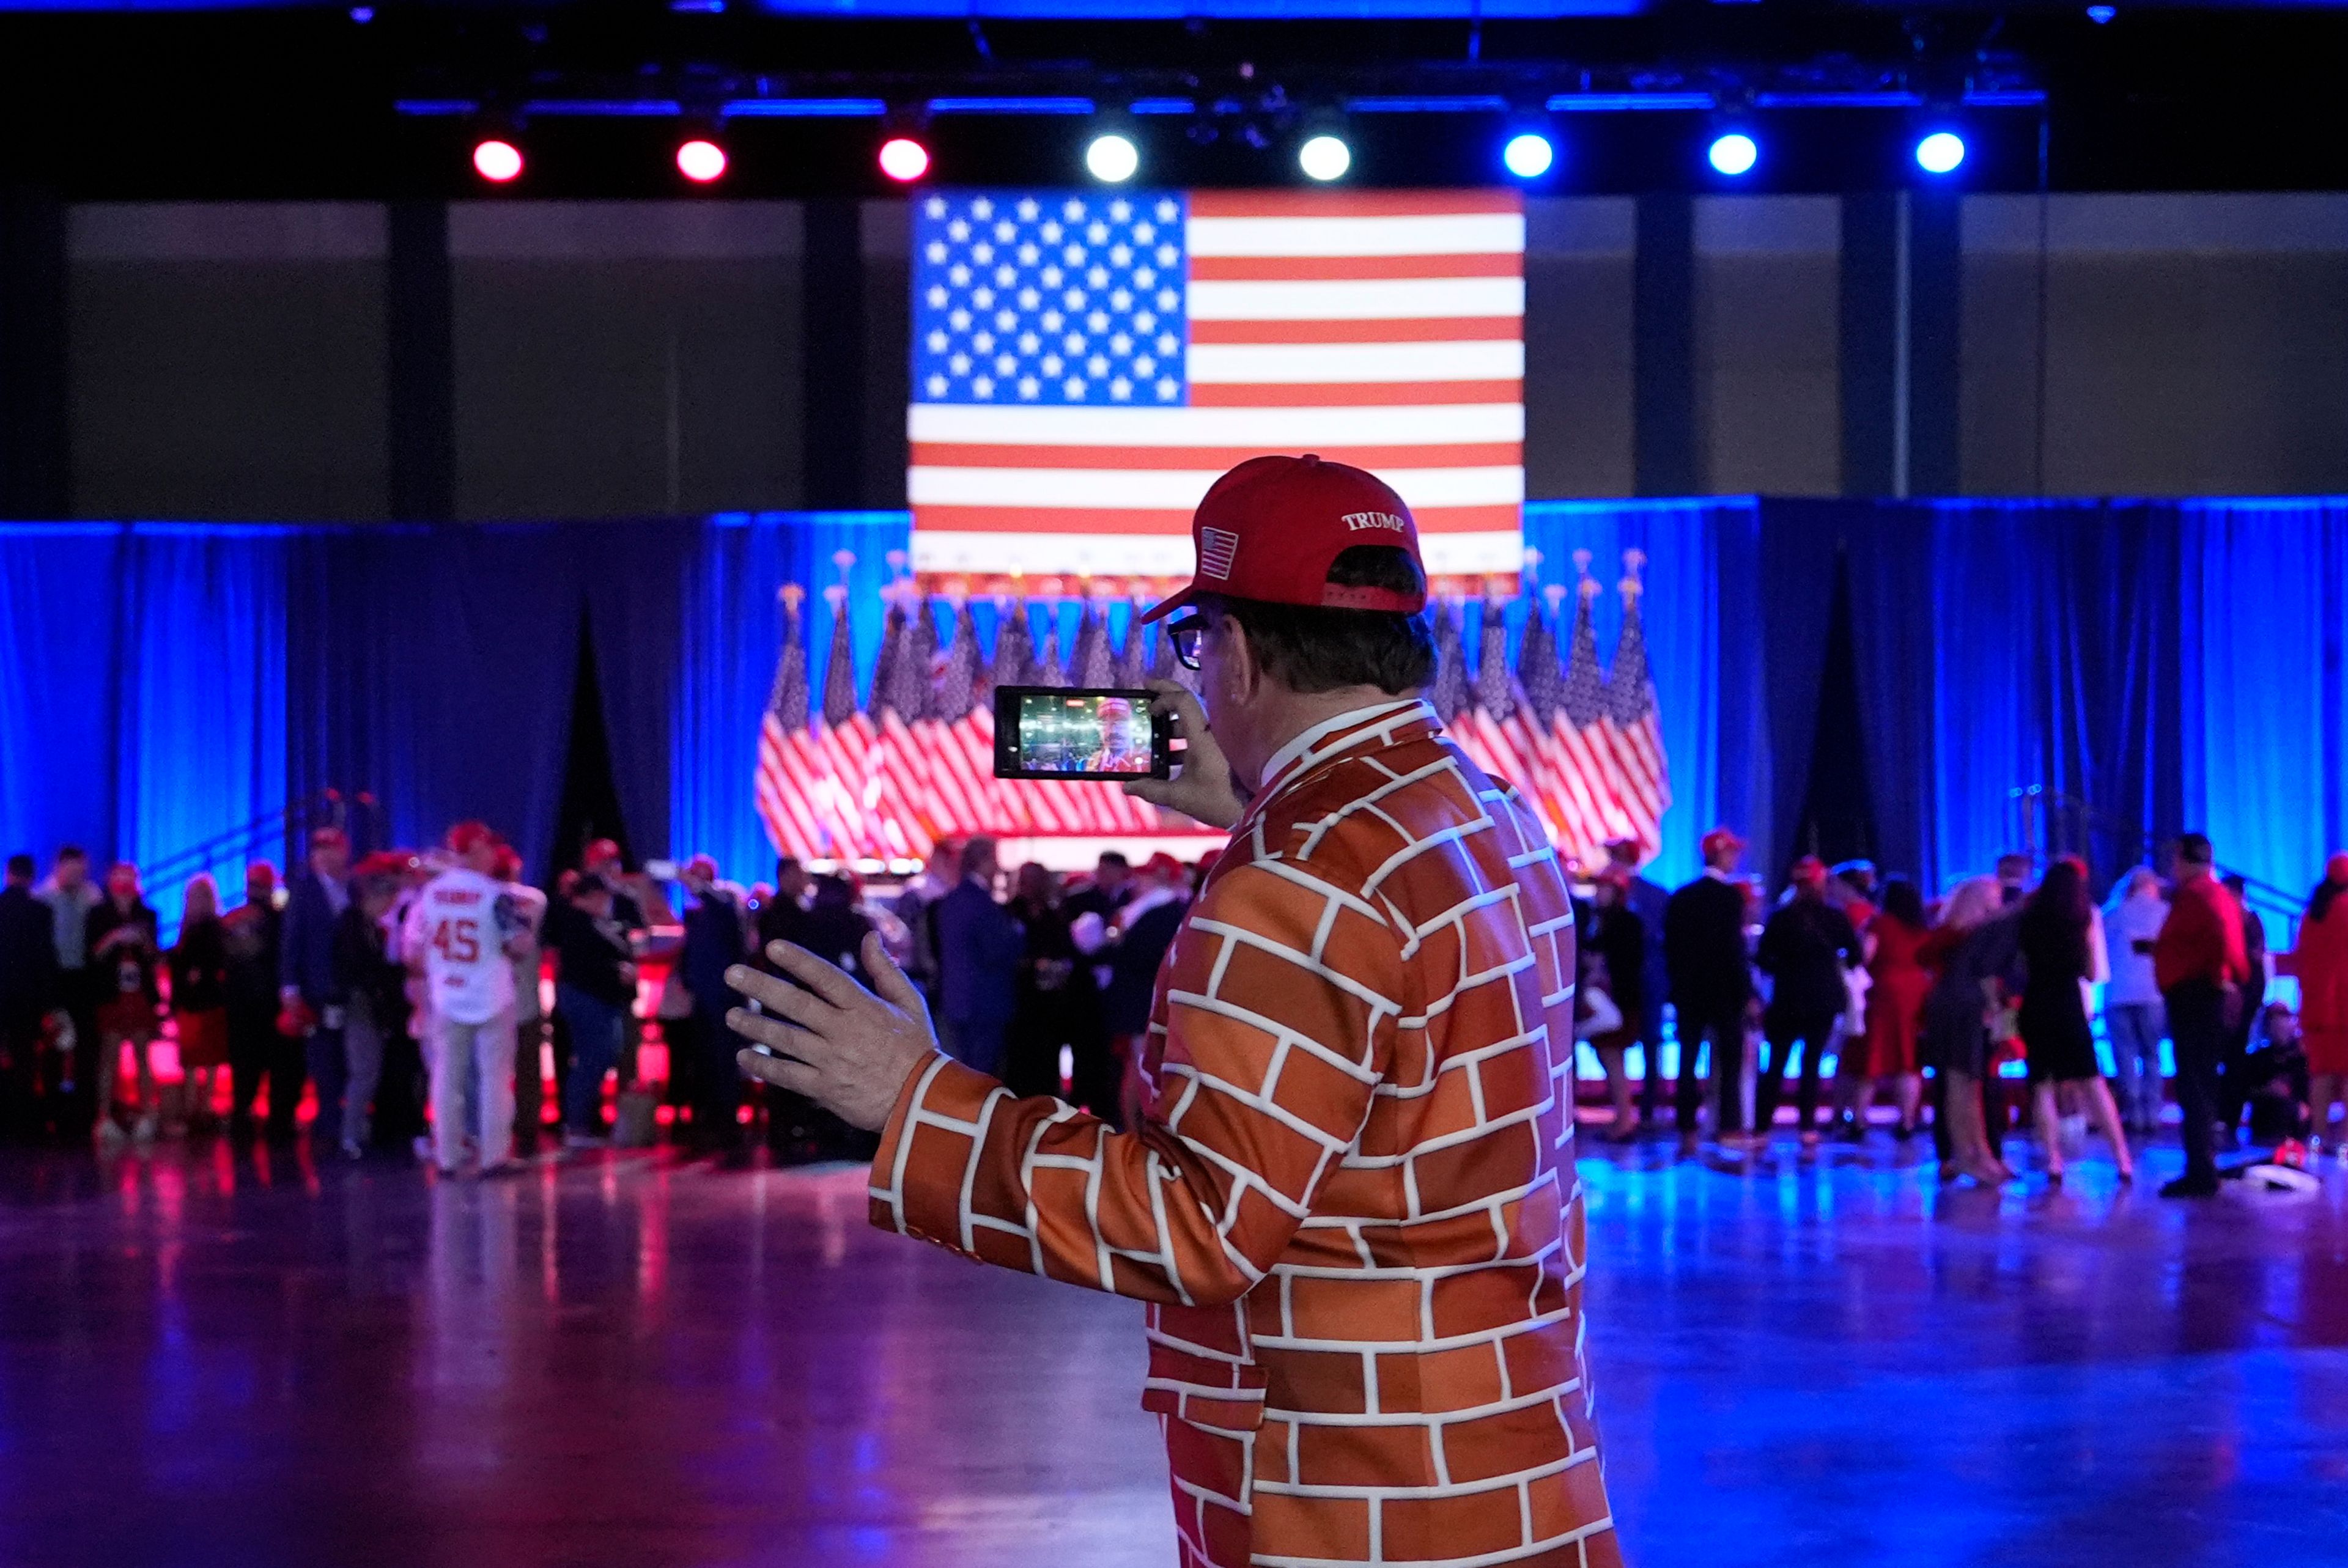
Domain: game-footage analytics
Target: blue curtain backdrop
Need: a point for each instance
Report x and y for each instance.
(2265, 623)
(2169, 664)
(142, 705)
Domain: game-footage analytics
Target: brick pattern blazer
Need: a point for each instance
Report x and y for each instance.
(1352, 1206)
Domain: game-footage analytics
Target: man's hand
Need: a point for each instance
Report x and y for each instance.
(845, 1048)
(1201, 788)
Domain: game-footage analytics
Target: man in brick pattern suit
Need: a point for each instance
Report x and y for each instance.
(1351, 1201)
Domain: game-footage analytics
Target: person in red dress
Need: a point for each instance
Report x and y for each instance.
(2322, 965)
(1898, 983)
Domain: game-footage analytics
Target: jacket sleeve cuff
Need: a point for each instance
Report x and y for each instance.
(928, 1146)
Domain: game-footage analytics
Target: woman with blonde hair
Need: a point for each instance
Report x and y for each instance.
(197, 964)
(1973, 947)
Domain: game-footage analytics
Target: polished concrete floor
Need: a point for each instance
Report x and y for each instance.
(210, 1356)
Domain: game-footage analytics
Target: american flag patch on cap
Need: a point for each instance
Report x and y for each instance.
(1217, 548)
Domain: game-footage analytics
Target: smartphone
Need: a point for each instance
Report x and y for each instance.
(1080, 732)
(661, 870)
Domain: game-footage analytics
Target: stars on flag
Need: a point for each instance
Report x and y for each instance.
(1050, 298)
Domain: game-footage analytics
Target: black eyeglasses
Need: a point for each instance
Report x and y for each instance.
(1187, 634)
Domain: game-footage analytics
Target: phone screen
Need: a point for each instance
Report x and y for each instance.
(1088, 734)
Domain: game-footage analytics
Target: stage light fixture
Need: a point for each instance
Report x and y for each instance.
(1529, 155)
(700, 159)
(1324, 158)
(1941, 152)
(497, 160)
(1734, 153)
(2100, 14)
(1112, 159)
(903, 160)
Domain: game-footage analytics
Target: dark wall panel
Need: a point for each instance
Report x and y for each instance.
(227, 361)
(1578, 396)
(2195, 345)
(618, 358)
(1767, 294)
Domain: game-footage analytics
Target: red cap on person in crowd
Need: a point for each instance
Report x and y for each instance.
(1720, 839)
(1809, 871)
(1163, 865)
(2336, 868)
(1271, 528)
(468, 837)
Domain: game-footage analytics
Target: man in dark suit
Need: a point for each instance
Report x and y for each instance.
(1711, 983)
(1805, 949)
(29, 990)
(1646, 899)
(253, 934)
(979, 945)
(309, 973)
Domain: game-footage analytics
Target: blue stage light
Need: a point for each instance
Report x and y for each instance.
(1529, 155)
(1734, 154)
(1941, 152)
(2099, 14)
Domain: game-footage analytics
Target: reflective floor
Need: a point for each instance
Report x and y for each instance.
(220, 1357)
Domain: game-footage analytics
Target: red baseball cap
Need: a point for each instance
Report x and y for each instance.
(1719, 839)
(1270, 528)
(1810, 871)
(468, 837)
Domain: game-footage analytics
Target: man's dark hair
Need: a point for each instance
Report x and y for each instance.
(72, 852)
(1314, 648)
(21, 867)
(2236, 882)
(1111, 857)
(784, 865)
(976, 854)
(2195, 849)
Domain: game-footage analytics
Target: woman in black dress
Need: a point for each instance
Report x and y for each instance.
(2055, 935)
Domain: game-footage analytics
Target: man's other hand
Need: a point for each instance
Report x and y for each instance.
(1202, 786)
(847, 1049)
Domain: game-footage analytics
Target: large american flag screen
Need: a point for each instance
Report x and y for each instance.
(1085, 363)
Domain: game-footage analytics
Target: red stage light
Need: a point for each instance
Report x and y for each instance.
(903, 160)
(496, 161)
(701, 160)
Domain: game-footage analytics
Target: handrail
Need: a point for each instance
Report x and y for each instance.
(205, 852)
(2256, 890)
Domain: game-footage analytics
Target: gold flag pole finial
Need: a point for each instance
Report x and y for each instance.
(1581, 559)
(1555, 594)
(1632, 560)
(792, 595)
(1590, 588)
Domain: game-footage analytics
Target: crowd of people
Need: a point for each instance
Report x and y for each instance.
(413, 981)
(1999, 971)
(409, 981)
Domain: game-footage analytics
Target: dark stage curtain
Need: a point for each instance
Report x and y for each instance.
(2003, 646)
(433, 666)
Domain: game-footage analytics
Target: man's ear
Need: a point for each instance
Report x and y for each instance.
(1240, 653)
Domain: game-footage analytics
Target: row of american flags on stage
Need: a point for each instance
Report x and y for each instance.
(887, 775)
